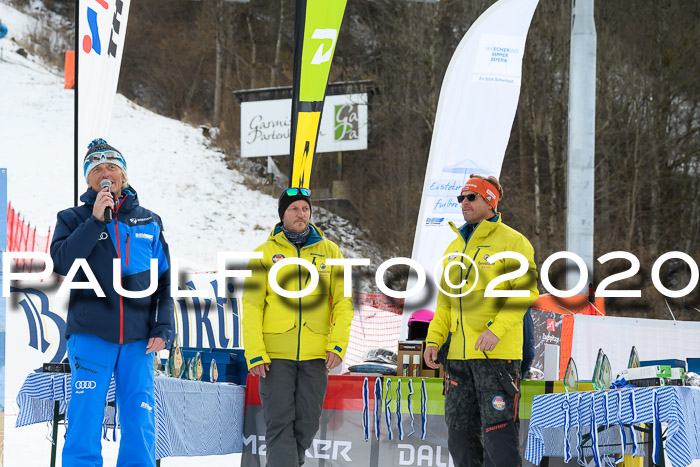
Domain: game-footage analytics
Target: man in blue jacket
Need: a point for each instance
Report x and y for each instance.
(114, 333)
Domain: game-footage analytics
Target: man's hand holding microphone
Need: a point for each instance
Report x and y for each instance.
(104, 203)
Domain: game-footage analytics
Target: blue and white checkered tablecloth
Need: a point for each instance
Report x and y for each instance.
(553, 415)
(193, 418)
(198, 419)
(38, 393)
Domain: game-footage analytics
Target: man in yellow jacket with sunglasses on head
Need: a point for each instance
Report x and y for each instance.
(482, 308)
(292, 343)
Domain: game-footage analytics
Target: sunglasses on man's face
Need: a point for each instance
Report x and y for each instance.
(103, 156)
(471, 197)
(296, 191)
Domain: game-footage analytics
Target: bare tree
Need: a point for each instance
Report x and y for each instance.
(647, 128)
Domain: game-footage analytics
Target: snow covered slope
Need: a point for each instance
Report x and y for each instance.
(204, 206)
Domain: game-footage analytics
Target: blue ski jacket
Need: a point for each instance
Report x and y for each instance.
(135, 235)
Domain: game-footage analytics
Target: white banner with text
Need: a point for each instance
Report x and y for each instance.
(265, 126)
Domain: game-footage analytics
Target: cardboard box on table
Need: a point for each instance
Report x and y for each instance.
(412, 348)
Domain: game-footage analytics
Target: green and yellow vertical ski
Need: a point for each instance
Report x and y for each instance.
(316, 30)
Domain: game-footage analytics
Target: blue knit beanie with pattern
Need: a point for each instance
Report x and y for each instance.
(99, 152)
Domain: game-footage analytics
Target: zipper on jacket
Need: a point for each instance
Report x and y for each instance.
(308, 276)
(127, 250)
(299, 269)
(119, 256)
(90, 362)
(461, 318)
(473, 259)
(299, 332)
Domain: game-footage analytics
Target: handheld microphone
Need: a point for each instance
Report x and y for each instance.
(105, 183)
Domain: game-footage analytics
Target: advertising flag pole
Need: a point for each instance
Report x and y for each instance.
(580, 162)
(75, 105)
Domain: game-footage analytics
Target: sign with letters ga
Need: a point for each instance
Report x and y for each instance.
(266, 126)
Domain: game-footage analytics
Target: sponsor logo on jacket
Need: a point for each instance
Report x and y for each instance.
(78, 366)
(496, 427)
(498, 403)
(81, 386)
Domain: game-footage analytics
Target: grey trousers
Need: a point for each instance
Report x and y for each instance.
(292, 399)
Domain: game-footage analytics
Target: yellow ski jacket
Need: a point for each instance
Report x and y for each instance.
(295, 328)
(468, 316)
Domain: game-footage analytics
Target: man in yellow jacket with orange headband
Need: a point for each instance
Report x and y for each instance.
(291, 343)
(481, 304)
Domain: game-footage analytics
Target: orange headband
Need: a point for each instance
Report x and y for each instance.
(486, 189)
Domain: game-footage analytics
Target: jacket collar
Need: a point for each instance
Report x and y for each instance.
(482, 228)
(129, 200)
(315, 235)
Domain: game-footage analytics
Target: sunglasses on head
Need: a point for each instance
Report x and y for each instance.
(471, 197)
(296, 191)
(103, 156)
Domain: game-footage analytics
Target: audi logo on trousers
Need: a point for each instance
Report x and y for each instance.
(85, 385)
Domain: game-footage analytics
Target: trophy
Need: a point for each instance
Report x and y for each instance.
(571, 377)
(634, 359)
(602, 373)
(595, 379)
(157, 365)
(606, 373)
(194, 368)
(197, 367)
(213, 371)
(188, 369)
(176, 364)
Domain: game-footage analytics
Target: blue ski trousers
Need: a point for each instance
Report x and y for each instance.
(92, 362)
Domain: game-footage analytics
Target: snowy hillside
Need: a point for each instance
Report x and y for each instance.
(205, 207)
